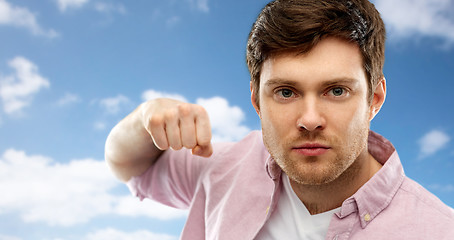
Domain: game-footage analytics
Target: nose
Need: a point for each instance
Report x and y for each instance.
(311, 115)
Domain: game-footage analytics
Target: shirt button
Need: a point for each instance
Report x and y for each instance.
(367, 217)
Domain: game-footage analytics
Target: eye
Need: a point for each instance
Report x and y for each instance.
(285, 93)
(337, 92)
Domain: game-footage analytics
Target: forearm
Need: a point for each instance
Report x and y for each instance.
(129, 149)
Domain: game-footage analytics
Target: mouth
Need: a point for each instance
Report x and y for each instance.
(311, 149)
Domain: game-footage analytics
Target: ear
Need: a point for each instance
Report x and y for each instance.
(378, 99)
(253, 100)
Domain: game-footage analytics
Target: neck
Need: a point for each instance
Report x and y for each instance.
(325, 197)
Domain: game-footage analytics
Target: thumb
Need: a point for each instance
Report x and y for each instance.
(203, 151)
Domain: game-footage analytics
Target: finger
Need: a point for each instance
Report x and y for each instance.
(157, 132)
(203, 128)
(187, 126)
(172, 129)
(206, 151)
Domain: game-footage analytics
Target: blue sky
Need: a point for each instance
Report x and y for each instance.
(71, 69)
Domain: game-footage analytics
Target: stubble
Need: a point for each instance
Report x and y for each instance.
(344, 161)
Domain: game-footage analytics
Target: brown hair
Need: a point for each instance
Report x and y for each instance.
(298, 25)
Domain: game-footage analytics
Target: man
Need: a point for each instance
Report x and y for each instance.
(315, 171)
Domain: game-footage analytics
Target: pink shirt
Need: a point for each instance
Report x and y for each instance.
(231, 195)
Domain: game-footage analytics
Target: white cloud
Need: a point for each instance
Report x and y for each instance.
(6, 237)
(66, 194)
(63, 5)
(200, 5)
(58, 194)
(17, 90)
(226, 121)
(432, 142)
(172, 21)
(113, 105)
(99, 126)
(22, 17)
(133, 207)
(110, 8)
(105, 7)
(67, 99)
(442, 188)
(152, 94)
(410, 18)
(113, 234)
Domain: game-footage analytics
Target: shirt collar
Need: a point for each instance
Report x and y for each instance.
(376, 194)
(273, 170)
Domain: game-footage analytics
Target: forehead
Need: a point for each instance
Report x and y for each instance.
(330, 59)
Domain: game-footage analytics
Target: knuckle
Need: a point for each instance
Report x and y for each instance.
(185, 109)
(155, 121)
(170, 114)
(201, 110)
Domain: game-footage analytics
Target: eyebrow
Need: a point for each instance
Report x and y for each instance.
(334, 81)
(279, 81)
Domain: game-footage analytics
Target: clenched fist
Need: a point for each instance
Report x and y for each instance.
(174, 124)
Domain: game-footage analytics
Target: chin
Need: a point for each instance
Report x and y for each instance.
(312, 177)
(314, 171)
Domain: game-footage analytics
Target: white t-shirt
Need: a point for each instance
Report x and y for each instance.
(291, 219)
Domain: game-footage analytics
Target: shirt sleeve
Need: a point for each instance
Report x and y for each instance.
(173, 178)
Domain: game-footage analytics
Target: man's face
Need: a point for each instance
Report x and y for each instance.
(314, 111)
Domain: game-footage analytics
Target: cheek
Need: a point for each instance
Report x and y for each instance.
(350, 120)
(358, 123)
(277, 120)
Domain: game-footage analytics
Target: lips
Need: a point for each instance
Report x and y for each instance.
(311, 149)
